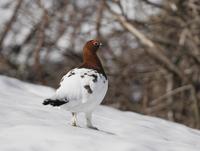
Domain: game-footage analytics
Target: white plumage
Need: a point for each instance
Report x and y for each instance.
(82, 89)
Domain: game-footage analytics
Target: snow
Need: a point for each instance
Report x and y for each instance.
(27, 125)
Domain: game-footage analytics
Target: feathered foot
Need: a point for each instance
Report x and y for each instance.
(74, 119)
(89, 121)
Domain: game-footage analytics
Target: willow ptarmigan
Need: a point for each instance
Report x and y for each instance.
(83, 88)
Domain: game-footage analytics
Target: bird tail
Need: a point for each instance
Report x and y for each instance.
(55, 102)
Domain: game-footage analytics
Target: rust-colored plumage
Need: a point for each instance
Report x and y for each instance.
(90, 58)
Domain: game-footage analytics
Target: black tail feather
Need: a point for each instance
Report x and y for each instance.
(54, 102)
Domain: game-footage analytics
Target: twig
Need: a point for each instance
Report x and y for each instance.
(154, 4)
(99, 17)
(10, 23)
(170, 93)
(40, 42)
(169, 87)
(152, 49)
(157, 101)
(196, 107)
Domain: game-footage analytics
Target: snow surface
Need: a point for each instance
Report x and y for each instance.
(27, 125)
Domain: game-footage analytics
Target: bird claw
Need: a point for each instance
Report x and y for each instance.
(74, 124)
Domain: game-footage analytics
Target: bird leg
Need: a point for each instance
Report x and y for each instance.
(89, 121)
(74, 119)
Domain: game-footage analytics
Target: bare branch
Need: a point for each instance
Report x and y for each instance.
(40, 42)
(99, 17)
(10, 23)
(152, 49)
(170, 93)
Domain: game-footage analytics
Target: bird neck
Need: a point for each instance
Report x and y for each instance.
(90, 58)
(91, 61)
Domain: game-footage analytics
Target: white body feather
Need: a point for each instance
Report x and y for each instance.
(83, 89)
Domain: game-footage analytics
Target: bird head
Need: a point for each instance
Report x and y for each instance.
(93, 45)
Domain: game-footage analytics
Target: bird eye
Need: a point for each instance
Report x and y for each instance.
(96, 43)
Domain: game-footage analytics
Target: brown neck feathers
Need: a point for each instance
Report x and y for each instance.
(91, 60)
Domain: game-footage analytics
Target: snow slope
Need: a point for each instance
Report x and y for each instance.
(27, 125)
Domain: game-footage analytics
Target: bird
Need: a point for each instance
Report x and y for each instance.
(83, 88)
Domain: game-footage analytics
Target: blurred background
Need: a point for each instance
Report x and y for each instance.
(151, 49)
